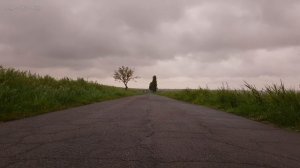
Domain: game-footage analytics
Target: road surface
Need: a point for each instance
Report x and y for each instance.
(145, 131)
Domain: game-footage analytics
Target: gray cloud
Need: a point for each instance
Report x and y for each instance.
(177, 40)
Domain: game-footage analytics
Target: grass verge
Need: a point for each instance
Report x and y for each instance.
(23, 94)
(274, 103)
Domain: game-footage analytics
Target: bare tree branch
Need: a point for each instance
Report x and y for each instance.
(124, 74)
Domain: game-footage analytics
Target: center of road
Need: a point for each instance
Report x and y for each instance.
(145, 131)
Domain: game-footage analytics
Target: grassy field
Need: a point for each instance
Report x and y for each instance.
(274, 103)
(23, 94)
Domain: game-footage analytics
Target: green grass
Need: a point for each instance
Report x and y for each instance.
(23, 94)
(274, 103)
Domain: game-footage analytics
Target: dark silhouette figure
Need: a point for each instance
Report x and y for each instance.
(153, 85)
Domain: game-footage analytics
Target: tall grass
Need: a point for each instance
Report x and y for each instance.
(24, 94)
(274, 103)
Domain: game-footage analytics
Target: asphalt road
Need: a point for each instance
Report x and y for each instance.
(145, 132)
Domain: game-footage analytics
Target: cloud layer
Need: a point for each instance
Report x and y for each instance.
(185, 43)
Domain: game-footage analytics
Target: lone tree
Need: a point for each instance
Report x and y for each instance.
(153, 85)
(124, 74)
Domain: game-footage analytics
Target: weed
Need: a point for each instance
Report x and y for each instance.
(274, 103)
(24, 94)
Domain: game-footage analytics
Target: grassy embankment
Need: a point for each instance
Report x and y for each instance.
(23, 94)
(274, 103)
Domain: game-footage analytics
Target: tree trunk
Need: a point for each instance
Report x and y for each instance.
(126, 87)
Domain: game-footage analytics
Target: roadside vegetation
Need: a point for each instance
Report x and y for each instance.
(23, 94)
(274, 103)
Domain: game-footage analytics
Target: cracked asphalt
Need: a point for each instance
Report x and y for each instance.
(145, 131)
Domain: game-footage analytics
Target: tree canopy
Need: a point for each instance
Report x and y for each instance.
(124, 74)
(153, 85)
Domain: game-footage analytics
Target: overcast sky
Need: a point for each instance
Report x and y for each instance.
(186, 43)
